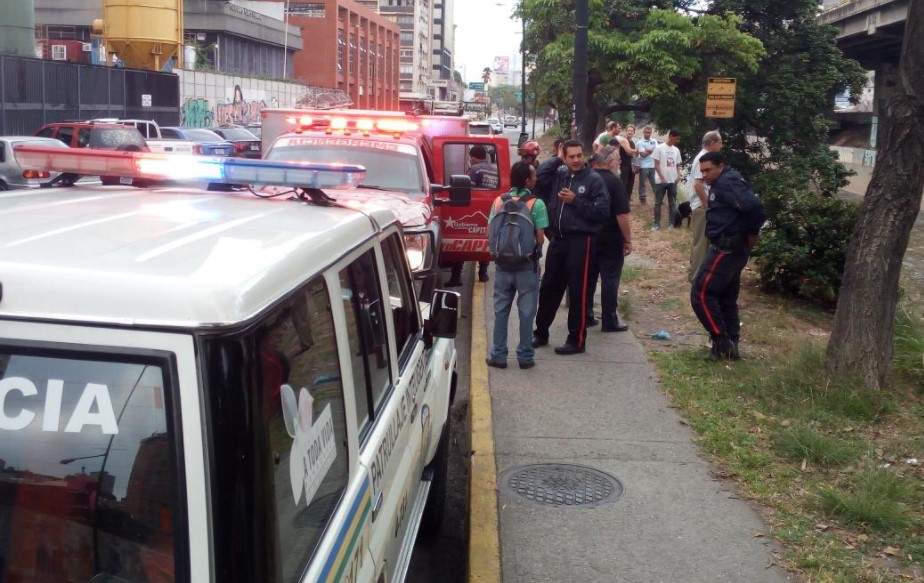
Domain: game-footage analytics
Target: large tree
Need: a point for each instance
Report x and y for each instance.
(861, 342)
(642, 56)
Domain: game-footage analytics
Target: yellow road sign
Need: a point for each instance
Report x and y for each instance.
(720, 97)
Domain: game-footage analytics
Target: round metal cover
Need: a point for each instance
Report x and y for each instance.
(567, 485)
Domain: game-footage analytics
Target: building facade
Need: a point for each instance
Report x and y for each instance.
(245, 38)
(350, 48)
(443, 50)
(415, 18)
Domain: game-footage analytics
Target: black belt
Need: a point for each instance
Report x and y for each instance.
(730, 243)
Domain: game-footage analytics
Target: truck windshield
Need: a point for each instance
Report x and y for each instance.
(388, 170)
(88, 487)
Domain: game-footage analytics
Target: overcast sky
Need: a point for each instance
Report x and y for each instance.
(485, 30)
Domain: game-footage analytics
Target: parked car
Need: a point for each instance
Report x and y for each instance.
(205, 142)
(256, 129)
(12, 176)
(496, 125)
(98, 135)
(480, 128)
(246, 145)
(511, 121)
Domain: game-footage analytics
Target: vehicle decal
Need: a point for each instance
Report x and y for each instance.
(295, 141)
(464, 245)
(474, 224)
(350, 533)
(94, 396)
(313, 445)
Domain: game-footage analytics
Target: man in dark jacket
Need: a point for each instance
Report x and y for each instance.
(733, 221)
(577, 211)
(613, 243)
(547, 173)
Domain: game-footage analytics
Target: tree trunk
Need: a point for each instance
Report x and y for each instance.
(861, 341)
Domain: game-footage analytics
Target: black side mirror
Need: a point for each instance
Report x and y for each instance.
(460, 191)
(444, 316)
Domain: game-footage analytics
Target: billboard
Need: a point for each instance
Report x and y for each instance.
(501, 65)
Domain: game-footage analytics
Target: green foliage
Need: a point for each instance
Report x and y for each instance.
(816, 448)
(909, 345)
(875, 498)
(803, 247)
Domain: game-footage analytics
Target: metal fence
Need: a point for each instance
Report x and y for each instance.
(34, 92)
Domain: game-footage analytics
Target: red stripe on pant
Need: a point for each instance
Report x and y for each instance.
(584, 293)
(702, 294)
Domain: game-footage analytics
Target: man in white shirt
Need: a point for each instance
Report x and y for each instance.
(699, 201)
(612, 130)
(666, 161)
(646, 169)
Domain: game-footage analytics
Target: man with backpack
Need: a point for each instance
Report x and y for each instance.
(515, 237)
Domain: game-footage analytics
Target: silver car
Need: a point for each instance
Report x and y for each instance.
(12, 176)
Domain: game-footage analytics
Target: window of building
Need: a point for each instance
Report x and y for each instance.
(340, 44)
(58, 52)
(407, 37)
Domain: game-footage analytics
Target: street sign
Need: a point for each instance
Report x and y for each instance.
(518, 95)
(720, 97)
(476, 86)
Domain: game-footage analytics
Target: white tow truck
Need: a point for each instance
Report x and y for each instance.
(201, 386)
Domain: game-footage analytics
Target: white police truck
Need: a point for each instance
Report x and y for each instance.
(201, 386)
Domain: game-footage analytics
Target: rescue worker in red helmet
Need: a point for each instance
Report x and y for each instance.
(529, 153)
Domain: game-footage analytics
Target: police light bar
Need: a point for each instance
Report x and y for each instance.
(185, 167)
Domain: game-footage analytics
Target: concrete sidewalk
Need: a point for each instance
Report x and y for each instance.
(602, 410)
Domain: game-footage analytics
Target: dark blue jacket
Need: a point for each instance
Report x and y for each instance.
(590, 209)
(546, 175)
(734, 209)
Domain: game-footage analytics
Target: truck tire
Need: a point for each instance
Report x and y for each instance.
(436, 502)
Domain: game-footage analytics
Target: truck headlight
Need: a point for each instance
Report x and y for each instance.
(419, 251)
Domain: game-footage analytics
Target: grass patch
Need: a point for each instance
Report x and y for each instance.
(625, 306)
(804, 443)
(909, 345)
(875, 498)
(631, 273)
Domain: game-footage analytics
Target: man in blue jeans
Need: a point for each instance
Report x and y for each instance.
(666, 162)
(524, 284)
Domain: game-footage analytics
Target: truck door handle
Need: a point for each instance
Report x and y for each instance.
(377, 505)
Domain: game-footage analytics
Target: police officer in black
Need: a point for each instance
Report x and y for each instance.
(578, 208)
(733, 222)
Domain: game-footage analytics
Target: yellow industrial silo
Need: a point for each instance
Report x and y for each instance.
(144, 35)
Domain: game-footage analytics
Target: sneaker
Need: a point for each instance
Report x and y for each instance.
(496, 363)
(530, 364)
(655, 227)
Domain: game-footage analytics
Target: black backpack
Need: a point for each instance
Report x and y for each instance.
(511, 234)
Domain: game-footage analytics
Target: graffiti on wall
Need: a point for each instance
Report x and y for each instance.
(199, 113)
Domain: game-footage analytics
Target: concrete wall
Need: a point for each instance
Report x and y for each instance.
(210, 99)
(855, 156)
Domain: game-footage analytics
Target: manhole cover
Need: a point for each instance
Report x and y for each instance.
(567, 485)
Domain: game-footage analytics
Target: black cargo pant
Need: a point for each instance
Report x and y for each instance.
(567, 267)
(714, 295)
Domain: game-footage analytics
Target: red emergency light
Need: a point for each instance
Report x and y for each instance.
(348, 125)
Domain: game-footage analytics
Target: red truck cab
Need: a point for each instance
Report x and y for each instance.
(412, 163)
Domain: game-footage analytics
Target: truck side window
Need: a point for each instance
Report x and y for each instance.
(478, 161)
(303, 409)
(83, 137)
(88, 472)
(363, 304)
(65, 134)
(404, 310)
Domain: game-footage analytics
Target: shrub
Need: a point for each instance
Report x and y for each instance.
(803, 246)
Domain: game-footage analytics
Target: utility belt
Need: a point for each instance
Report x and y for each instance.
(730, 243)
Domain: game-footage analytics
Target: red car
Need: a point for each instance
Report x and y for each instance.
(100, 136)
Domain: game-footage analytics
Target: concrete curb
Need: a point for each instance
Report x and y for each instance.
(483, 536)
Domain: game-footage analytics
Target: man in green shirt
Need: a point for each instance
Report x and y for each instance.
(522, 284)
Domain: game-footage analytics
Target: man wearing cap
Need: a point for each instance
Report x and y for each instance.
(529, 153)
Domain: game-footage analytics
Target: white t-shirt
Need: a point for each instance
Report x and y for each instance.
(668, 158)
(597, 142)
(696, 174)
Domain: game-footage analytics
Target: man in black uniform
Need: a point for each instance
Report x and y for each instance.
(733, 221)
(576, 212)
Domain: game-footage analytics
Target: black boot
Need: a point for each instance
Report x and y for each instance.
(722, 348)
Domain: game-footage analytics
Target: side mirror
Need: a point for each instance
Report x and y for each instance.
(444, 316)
(460, 191)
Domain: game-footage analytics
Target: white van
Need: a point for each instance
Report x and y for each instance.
(204, 386)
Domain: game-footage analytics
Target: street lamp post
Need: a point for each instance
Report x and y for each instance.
(523, 134)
